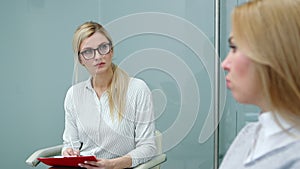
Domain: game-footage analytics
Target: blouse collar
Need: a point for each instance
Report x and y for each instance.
(273, 123)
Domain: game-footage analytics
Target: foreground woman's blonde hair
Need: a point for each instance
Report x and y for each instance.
(118, 87)
(268, 32)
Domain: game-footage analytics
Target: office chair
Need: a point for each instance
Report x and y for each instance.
(154, 163)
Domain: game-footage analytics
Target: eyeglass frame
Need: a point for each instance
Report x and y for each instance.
(97, 49)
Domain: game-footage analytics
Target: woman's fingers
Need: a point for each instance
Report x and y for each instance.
(89, 166)
(92, 165)
(76, 152)
(70, 152)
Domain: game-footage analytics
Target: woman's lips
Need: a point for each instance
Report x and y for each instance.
(100, 64)
(228, 83)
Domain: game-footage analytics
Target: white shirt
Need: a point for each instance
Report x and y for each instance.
(88, 120)
(285, 157)
(270, 135)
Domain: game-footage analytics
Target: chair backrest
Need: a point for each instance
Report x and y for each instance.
(158, 141)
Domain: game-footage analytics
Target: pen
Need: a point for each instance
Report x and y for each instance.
(72, 145)
(81, 144)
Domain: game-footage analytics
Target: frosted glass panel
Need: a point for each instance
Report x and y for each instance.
(155, 41)
(171, 48)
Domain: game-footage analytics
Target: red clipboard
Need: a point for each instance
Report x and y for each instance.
(66, 161)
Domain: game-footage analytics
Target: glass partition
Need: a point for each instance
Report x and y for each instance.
(171, 48)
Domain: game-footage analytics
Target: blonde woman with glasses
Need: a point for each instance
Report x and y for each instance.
(110, 115)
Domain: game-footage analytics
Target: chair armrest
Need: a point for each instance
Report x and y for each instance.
(46, 152)
(153, 162)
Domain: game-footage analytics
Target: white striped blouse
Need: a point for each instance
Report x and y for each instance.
(88, 120)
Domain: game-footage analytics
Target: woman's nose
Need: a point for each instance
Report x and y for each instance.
(226, 63)
(98, 55)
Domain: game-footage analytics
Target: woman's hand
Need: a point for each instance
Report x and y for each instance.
(70, 152)
(117, 163)
(99, 164)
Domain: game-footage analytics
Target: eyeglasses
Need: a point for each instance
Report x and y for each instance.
(90, 53)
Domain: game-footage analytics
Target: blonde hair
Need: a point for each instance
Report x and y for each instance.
(268, 32)
(117, 91)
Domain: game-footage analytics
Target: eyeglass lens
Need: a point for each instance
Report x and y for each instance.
(102, 49)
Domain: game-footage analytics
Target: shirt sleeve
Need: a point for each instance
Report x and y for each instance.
(144, 128)
(70, 131)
